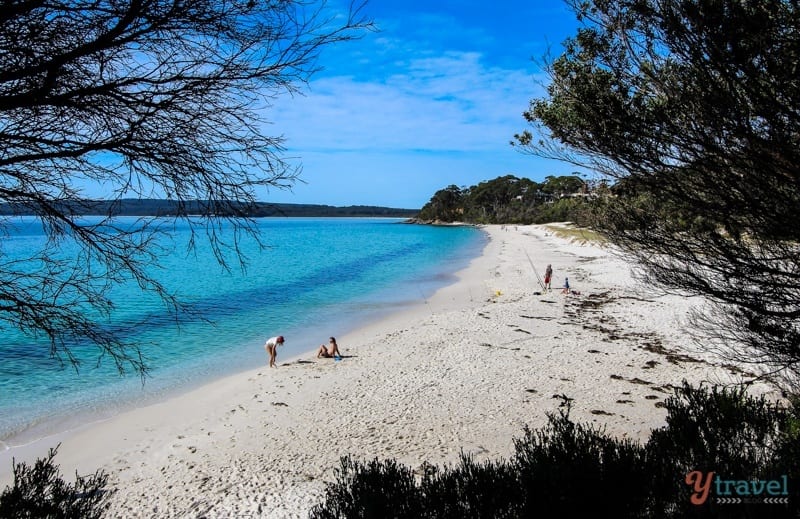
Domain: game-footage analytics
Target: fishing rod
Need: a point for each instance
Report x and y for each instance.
(541, 284)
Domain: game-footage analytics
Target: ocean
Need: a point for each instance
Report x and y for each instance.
(317, 277)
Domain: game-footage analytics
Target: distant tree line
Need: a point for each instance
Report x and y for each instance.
(510, 199)
(157, 207)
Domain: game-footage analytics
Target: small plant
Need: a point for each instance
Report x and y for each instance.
(40, 491)
(472, 489)
(373, 489)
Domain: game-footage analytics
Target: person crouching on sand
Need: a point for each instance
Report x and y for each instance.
(332, 350)
(272, 348)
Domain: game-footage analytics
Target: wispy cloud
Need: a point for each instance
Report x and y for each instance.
(453, 101)
(431, 100)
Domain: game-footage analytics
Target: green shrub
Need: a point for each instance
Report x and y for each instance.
(471, 489)
(575, 470)
(373, 489)
(39, 491)
(730, 433)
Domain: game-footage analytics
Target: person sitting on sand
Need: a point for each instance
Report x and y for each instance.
(332, 350)
(566, 286)
(272, 348)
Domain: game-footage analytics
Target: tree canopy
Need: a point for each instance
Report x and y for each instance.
(147, 98)
(506, 199)
(693, 107)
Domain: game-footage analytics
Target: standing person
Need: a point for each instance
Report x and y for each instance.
(566, 286)
(332, 350)
(548, 275)
(272, 348)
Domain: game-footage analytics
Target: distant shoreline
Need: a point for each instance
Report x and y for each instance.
(441, 223)
(158, 207)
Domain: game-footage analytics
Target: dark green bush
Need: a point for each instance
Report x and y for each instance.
(575, 470)
(373, 489)
(40, 491)
(471, 489)
(730, 433)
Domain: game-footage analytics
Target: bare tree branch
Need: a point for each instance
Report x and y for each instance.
(148, 98)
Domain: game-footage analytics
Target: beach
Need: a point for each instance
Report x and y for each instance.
(464, 370)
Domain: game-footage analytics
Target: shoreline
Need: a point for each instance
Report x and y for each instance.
(27, 445)
(467, 369)
(129, 393)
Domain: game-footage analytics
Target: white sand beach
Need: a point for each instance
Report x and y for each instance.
(465, 369)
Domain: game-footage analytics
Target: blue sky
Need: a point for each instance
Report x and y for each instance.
(429, 100)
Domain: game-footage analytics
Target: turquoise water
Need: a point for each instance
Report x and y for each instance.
(318, 277)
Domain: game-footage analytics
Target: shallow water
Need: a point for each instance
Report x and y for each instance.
(317, 277)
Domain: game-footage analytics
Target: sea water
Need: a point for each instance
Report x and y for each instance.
(314, 278)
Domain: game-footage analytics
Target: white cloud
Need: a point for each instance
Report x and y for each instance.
(429, 102)
(452, 101)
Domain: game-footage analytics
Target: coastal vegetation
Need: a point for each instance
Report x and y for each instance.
(574, 233)
(40, 491)
(509, 199)
(568, 469)
(690, 110)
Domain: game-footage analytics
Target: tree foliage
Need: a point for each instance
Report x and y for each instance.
(446, 205)
(147, 98)
(508, 199)
(694, 105)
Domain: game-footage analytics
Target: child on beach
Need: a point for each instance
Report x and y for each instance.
(330, 351)
(272, 348)
(566, 286)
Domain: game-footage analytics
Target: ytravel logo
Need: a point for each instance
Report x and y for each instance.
(736, 491)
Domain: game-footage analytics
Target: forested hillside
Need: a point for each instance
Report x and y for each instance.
(509, 199)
